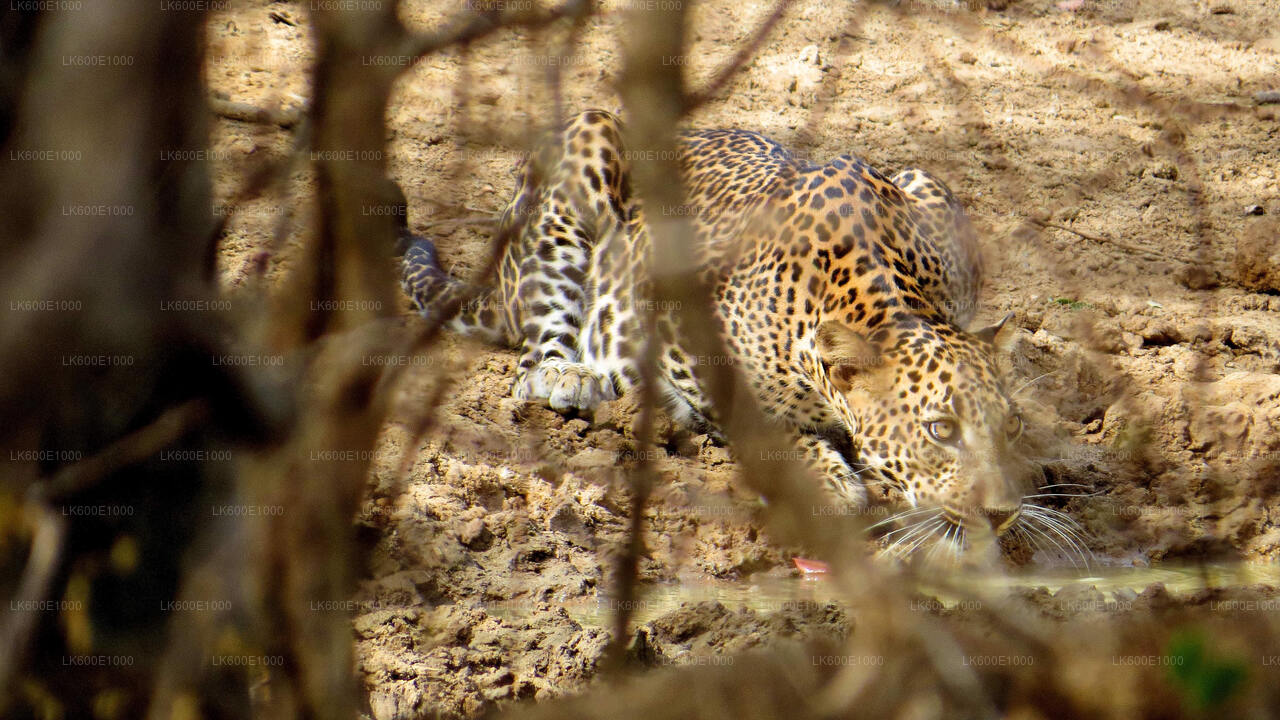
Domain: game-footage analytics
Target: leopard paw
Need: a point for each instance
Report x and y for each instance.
(564, 385)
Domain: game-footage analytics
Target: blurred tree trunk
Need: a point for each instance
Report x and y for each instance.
(107, 219)
(109, 361)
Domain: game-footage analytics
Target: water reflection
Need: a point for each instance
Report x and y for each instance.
(775, 593)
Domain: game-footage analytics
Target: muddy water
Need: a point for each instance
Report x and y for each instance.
(770, 594)
(1176, 578)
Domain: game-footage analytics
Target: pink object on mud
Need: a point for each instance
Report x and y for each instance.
(809, 566)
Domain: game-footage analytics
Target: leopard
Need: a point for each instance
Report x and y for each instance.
(842, 296)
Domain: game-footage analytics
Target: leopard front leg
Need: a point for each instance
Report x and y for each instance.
(839, 480)
(583, 201)
(552, 303)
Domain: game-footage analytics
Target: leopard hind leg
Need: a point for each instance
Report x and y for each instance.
(946, 247)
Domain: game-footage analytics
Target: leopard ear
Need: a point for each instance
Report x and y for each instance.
(1000, 335)
(844, 353)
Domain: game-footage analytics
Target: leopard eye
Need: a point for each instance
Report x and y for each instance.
(944, 431)
(1013, 426)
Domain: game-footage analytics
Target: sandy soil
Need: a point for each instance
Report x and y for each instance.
(1147, 311)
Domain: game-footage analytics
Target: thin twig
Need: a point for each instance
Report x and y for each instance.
(653, 92)
(244, 112)
(469, 220)
(133, 448)
(471, 27)
(45, 558)
(1100, 239)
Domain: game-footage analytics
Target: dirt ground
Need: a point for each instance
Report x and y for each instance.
(1123, 180)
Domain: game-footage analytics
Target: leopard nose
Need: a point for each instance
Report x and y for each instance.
(1001, 518)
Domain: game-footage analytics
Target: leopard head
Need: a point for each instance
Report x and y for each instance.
(938, 429)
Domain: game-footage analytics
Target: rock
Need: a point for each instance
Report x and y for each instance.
(1257, 260)
(475, 534)
(370, 623)
(714, 455)
(615, 414)
(1165, 171)
(642, 652)
(1079, 598)
(1160, 331)
(1102, 335)
(1255, 210)
(1233, 415)
(401, 589)
(1154, 597)
(1198, 277)
(390, 706)
(593, 458)
(678, 627)
(1199, 332)
(500, 678)
(1222, 427)
(968, 58)
(567, 518)
(1249, 338)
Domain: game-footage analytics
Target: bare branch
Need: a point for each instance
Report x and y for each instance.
(136, 447)
(1101, 239)
(722, 78)
(42, 563)
(472, 27)
(244, 112)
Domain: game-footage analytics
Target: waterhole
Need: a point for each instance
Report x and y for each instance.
(1118, 585)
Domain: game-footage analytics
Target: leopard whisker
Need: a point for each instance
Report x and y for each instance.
(1028, 384)
(958, 547)
(904, 514)
(922, 531)
(912, 526)
(1022, 532)
(1066, 525)
(923, 537)
(941, 542)
(1061, 495)
(1074, 541)
(1063, 551)
(914, 530)
(955, 542)
(1050, 528)
(1061, 517)
(933, 549)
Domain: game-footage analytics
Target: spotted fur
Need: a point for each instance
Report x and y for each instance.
(842, 296)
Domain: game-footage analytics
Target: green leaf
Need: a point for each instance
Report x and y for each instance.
(1202, 679)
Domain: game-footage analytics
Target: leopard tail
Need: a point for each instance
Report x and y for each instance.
(433, 291)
